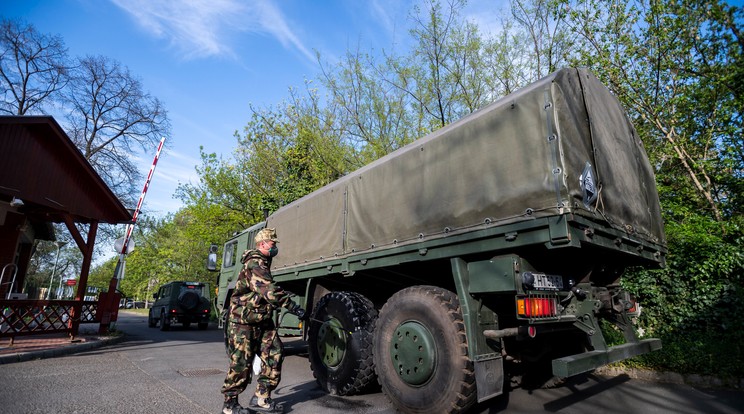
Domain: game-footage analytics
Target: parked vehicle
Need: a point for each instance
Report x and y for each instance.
(132, 304)
(180, 302)
(489, 251)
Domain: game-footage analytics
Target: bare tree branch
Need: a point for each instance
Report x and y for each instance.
(33, 68)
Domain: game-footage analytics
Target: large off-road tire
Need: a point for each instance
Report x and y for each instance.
(340, 343)
(421, 352)
(164, 324)
(150, 321)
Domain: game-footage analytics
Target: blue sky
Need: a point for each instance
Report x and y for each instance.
(208, 60)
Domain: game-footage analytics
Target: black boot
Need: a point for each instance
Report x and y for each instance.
(267, 406)
(231, 406)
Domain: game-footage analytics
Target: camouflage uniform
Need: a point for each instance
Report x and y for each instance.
(251, 328)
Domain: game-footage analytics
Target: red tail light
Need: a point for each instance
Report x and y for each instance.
(635, 310)
(537, 306)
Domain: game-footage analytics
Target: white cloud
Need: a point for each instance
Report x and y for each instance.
(380, 10)
(273, 22)
(203, 28)
(180, 169)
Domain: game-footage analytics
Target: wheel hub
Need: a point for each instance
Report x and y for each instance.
(331, 342)
(413, 351)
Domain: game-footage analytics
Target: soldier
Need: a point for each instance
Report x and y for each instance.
(251, 329)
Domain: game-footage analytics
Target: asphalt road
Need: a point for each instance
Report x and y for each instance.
(181, 371)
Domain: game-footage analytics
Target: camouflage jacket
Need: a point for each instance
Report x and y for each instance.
(256, 295)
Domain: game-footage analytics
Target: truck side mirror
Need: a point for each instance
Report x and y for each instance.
(155, 296)
(212, 258)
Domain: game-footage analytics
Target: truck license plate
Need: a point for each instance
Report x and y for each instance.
(548, 282)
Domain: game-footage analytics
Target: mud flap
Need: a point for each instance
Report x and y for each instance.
(489, 378)
(576, 364)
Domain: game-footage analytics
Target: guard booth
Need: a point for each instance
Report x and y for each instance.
(44, 179)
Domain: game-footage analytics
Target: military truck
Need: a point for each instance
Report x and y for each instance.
(487, 252)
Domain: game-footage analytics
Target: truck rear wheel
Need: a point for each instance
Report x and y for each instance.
(340, 343)
(421, 352)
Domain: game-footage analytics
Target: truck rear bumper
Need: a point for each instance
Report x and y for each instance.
(180, 318)
(576, 364)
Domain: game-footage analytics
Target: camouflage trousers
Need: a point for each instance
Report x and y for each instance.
(245, 341)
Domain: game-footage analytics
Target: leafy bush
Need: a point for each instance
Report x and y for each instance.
(695, 304)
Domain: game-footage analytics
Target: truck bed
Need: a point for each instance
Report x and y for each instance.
(512, 167)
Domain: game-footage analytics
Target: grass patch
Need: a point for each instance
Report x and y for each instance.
(144, 312)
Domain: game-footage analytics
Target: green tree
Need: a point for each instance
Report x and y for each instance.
(504, 54)
(292, 150)
(101, 274)
(372, 109)
(44, 264)
(223, 197)
(670, 63)
(444, 74)
(167, 249)
(550, 42)
(386, 101)
(372, 115)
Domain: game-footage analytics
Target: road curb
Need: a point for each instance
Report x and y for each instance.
(59, 351)
(696, 380)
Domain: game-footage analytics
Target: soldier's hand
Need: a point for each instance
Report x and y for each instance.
(299, 312)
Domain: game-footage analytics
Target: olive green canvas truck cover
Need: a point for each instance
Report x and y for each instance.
(560, 146)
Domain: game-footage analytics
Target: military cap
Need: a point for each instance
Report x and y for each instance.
(266, 234)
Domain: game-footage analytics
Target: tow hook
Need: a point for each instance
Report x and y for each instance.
(580, 294)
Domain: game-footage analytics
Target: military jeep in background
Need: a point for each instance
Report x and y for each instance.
(180, 302)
